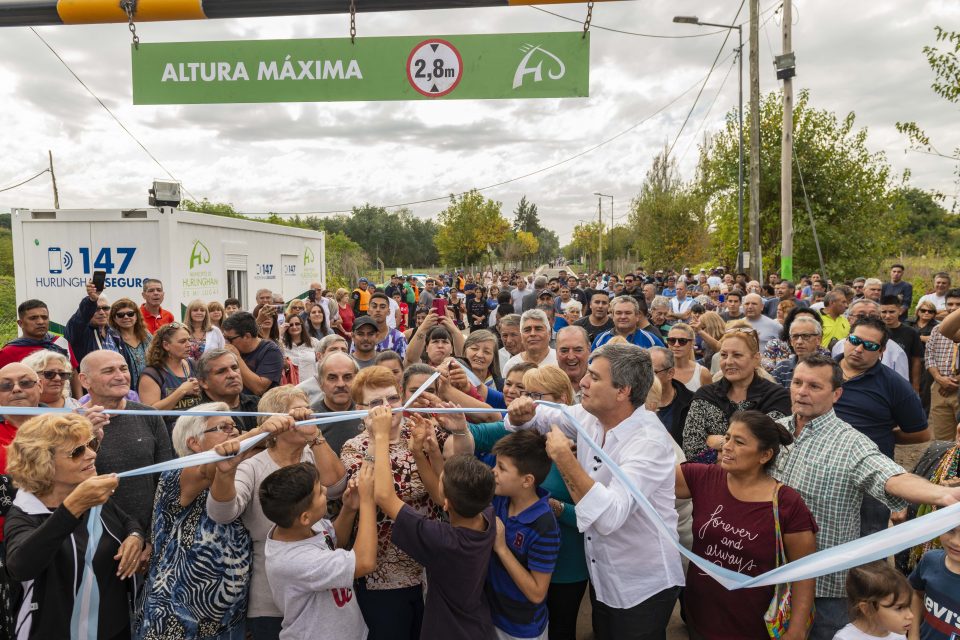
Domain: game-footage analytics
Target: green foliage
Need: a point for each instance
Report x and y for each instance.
(396, 237)
(929, 229)
(584, 241)
(8, 302)
(848, 186)
(214, 208)
(345, 260)
(667, 218)
(526, 218)
(946, 84)
(468, 226)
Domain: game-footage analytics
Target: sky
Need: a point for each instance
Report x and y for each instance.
(303, 157)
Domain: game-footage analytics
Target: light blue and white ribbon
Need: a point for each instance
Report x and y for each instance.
(854, 553)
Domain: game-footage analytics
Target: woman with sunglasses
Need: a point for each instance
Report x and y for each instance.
(739, 389)
(52, 461)
(687, 371)
(204, 336)
(924, 322)
(234, 492)
(126, 320)
(298, 345)
(199, 575)
(168, 381)
(55, 373)
(391, 597)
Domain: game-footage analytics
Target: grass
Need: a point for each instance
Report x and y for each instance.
(8, 309)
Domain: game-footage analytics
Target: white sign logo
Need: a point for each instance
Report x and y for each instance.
(537, 71)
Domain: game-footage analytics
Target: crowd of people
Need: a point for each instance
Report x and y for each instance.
(758, 420)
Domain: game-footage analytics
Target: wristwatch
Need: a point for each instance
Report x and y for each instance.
(318, 440)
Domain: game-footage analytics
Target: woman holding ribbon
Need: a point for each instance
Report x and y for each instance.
(199, 572)
(741, 518)
(391, 597)
(51, 461)
(234, 493)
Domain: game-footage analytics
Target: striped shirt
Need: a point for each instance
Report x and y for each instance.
(533, 538)
(832, 466)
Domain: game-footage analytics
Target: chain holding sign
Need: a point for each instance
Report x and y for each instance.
(452, 67)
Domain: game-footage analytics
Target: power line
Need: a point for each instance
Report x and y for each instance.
(706, 116)
(705, 80)
(19, 184)
(508, 181)
(107, 109)
(594, 25)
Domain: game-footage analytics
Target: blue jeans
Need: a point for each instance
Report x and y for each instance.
(831, 616)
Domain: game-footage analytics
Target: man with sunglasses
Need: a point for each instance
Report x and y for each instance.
(893, 355)
(88, 329)
(878, 403)
(19, 387)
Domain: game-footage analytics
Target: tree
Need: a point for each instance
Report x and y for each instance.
(946, 84)
(214, 208)
(468, 226)
(929, 228)
(344, 259)
(667, 218)
(525, 217)
(848, 186)
(584, 241)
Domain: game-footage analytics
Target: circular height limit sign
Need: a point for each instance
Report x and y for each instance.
(434, 68)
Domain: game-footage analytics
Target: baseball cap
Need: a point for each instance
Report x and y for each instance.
(364, 281)
(363, 321)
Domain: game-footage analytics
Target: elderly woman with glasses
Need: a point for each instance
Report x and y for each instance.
(200, 569)
(391, 597)
(740, 388)
(234, 492)
(55, 373)
(52, 462)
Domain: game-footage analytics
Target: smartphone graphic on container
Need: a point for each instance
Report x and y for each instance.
(55, 260)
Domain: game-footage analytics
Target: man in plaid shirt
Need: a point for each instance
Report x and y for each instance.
(940, 359)
(832, 466)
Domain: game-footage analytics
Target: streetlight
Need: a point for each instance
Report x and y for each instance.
(599, 200)
(695, 20)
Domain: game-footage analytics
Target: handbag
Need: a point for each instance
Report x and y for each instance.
(777, 617)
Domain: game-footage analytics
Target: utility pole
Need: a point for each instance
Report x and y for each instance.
(53, 177)
(755, 267)
(599, 234)
(786, 71)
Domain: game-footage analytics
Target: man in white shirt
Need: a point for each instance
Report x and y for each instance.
(941, 283)
(766, 328)
(535, 335)
(632, 593)
(680, 305)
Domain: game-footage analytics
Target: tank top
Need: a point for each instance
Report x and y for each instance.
(694, 382)
(168, 382)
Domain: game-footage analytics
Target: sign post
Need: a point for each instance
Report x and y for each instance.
(452, 67)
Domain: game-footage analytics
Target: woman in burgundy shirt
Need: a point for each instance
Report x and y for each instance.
(733, 526)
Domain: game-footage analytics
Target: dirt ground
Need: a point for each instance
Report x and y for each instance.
(906, 455)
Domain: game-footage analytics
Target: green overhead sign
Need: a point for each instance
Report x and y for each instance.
(452, 67)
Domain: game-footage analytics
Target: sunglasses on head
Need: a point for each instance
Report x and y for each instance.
(679, 341)
(866, 344)
(125, 314)
(93, 445)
